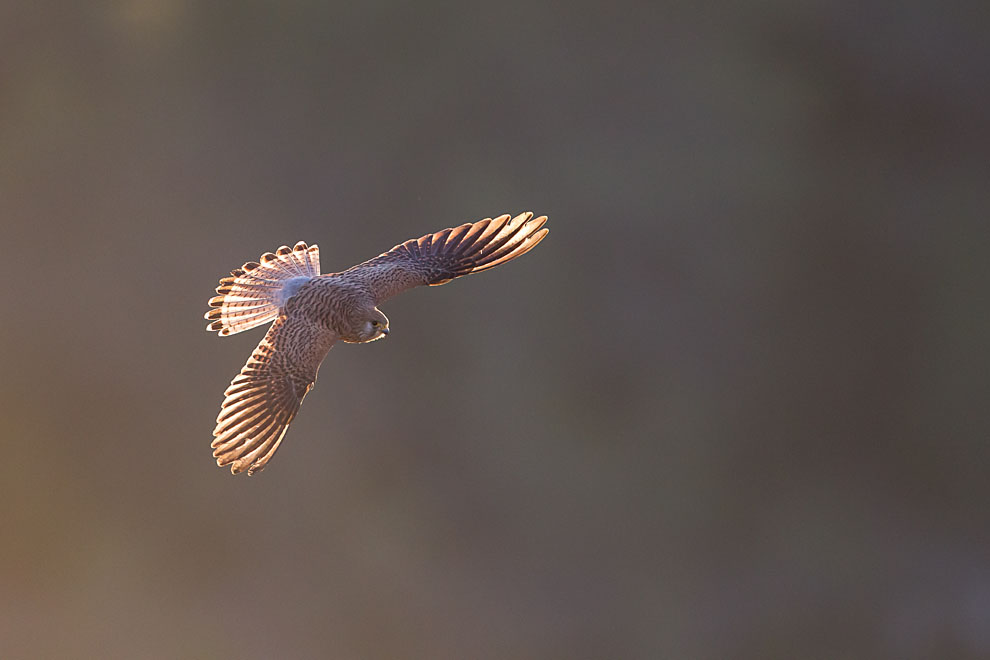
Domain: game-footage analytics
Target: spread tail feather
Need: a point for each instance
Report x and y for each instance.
(255, 293)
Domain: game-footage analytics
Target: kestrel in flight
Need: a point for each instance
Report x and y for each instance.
(312, 311)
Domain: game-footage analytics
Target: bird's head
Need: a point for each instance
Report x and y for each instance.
(374, 325)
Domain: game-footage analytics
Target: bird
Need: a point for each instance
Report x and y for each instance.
(310, 312)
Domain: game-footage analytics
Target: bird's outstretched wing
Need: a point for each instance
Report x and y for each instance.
(264, 398)
(438, 258)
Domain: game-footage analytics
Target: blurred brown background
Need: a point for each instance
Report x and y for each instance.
(734, 406)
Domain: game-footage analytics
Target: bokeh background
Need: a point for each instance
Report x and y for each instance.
(735, 406)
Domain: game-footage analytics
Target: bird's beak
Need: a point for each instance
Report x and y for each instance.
(384, 331)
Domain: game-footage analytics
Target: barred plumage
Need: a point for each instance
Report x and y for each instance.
(253, 293)
(312, 311)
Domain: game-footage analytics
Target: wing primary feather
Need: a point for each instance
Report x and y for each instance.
(260, 463)
(437, 258)
(495, 240)
(525, 246)
(236, 428)
(440, 242)
(245, 444)
(244, 406)
(492, 230)
(263, 399)
(246, 459)
(455, 237)
(473, 235)
(508, 243)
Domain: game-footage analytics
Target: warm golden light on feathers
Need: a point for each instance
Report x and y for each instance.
(312, 311)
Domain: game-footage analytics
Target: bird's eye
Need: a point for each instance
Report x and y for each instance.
(374, 324)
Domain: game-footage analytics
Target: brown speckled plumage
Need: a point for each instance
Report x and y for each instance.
(312, 311)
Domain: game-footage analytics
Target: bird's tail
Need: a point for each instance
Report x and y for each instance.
(255, 292)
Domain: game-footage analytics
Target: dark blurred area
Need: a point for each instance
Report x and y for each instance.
(735, 405)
